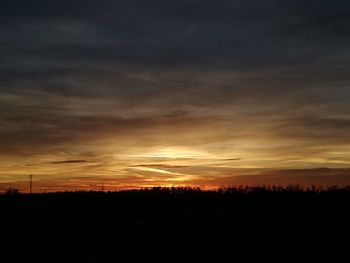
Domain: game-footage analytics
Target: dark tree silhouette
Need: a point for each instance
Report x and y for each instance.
(11, 191)
(233, 224)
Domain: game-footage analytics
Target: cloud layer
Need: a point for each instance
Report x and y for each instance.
(96, 88)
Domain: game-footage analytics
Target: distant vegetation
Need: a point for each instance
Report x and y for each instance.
(222, 190)
(11, 191)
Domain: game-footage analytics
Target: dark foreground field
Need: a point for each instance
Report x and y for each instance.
(177, 225)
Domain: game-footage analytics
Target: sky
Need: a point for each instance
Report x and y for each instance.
(126, 94)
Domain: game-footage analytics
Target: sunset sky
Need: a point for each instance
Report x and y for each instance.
(204, 93)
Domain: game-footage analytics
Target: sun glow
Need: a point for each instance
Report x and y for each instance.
(175, 153)
(150, 169)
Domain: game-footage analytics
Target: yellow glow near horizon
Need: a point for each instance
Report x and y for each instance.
(172, 153)
(149, 169)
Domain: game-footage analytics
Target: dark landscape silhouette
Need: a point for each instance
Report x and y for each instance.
(243, 224)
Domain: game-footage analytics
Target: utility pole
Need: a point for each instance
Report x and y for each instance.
(30, 183)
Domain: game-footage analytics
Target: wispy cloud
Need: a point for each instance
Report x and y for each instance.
(69, 162)
(164, 166)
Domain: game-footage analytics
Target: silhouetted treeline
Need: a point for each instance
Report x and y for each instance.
(234, 224)
(223, 190)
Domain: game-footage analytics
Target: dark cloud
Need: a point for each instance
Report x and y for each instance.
(69, 162)
(230, 34)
